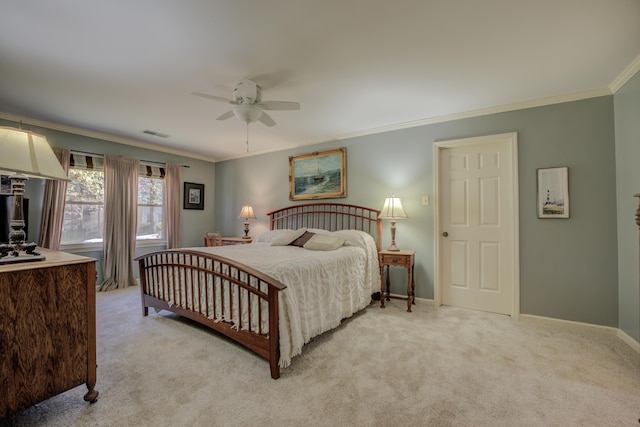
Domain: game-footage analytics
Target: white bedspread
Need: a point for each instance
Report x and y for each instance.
(323, 287)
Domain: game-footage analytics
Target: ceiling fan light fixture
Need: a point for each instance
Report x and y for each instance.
(247, 113)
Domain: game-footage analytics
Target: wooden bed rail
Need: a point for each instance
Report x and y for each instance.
(328, 216)
(220, 293)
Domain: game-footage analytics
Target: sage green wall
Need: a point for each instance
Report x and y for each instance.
(194, 222)
(627, 115)
(568, 267)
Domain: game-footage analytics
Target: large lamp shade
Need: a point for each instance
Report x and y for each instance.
(28, 153)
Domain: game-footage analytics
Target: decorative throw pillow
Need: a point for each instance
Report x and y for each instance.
(300, 241)
(324, 242)
(289, 237)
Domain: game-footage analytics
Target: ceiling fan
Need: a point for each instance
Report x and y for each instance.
(248, 105)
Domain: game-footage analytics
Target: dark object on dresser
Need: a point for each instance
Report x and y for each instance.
(6, 211)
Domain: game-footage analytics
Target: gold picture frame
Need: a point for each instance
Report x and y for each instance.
(318, 175)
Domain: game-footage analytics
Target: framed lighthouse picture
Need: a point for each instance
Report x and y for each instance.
(553, 192)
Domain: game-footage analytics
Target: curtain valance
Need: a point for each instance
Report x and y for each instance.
(86, 161)
(151, 171)
(96, 162)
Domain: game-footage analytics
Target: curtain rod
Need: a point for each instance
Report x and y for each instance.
(142, 160)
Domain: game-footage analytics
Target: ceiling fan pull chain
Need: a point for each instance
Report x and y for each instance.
(247, 137)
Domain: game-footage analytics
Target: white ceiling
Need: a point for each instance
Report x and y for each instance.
(119, 67)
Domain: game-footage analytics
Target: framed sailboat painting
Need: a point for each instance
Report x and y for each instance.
(318, 175)
(553, 192)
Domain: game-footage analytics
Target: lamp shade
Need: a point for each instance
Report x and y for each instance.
(247, 212)
(28, 153)
(392, 209)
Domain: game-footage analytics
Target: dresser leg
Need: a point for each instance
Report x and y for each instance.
(92, 394)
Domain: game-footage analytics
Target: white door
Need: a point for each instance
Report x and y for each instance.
(477, 224)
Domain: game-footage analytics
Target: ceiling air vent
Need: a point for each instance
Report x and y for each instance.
(154, 133)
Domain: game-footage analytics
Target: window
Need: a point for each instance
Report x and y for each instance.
(151, 224)
(84, 209)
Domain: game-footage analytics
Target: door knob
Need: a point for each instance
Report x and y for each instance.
(445, 234)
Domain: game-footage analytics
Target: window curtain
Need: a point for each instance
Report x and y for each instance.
(53, 205)
(120, 220)
(172, 204)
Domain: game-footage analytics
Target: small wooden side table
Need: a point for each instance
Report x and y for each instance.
(227, 241)
(401, 258)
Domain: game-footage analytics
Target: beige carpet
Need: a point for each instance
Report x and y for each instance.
(433, 367)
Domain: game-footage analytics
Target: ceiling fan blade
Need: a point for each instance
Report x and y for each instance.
(267, 120)
(226, 115)
(215, 98)
(279, 105)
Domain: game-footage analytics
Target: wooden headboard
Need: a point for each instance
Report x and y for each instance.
(328, 216)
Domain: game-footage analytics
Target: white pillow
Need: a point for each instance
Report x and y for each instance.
(324, 242)
(355, 238)
(270, 235)
(288, 237)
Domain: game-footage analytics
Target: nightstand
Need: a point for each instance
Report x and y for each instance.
(401, 258)
(228, 241)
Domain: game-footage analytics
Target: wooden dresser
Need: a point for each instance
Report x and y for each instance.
(47, 329)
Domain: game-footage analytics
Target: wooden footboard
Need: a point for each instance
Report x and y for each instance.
(226, 296)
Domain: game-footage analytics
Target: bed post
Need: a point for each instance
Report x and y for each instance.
(274, 337)
(143, 285)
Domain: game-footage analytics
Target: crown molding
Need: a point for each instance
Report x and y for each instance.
(481, 112)
(103, 136)
(626, 75)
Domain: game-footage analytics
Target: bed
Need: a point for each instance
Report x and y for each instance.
(316, 266)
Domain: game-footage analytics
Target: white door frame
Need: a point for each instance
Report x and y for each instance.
(512, 138)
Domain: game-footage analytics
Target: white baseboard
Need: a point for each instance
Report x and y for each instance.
(630, 341)
(619, 333)
(423, 301)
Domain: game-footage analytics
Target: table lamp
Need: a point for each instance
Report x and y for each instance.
(246, 213)
(24, 154)
(392, 209)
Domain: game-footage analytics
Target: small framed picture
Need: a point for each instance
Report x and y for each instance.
(193, 196)
(553, 192)
(5, 184)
